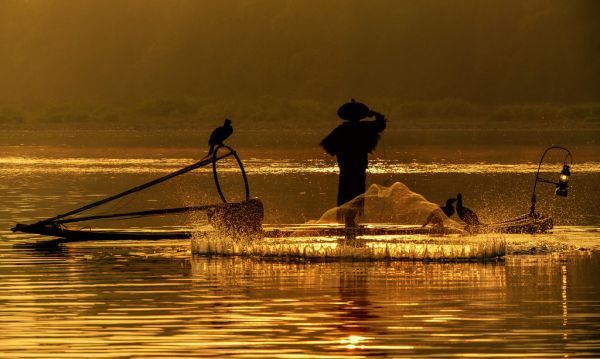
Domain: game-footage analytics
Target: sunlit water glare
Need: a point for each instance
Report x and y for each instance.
(159, 299)
(32, 165)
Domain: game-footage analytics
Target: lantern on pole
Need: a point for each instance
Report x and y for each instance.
(563, 179)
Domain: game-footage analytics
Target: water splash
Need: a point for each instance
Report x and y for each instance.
(372, 248)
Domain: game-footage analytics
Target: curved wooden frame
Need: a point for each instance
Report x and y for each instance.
(216, 176)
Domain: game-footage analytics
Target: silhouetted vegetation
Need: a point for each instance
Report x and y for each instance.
(269, 113)
(272, 64)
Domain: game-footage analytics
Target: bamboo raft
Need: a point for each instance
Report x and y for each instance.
(77, 235)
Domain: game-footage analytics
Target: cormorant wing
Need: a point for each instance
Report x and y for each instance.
(217, 136)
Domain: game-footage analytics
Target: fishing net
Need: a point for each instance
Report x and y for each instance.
(395, 204)
(385, 207)
(202, 184)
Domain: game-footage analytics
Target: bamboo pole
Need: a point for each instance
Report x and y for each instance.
(189, 168)
(151, 212)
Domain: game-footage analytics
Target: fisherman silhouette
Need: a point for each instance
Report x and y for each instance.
(219, 135)
(351, 142)
(435, 217)
(465, 214)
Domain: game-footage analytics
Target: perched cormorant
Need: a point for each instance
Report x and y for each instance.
(435, 216)
(219, 135)
(465, 214)
(448, 209)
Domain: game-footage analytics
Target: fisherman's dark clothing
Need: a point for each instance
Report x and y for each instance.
(351, 142)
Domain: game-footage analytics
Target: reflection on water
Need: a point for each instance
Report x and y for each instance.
(156, 299)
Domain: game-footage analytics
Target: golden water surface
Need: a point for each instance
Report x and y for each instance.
(157, 299)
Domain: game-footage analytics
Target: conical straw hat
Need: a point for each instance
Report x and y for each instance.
(353, 111)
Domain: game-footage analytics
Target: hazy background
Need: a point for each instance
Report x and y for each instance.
(115, 63)
(99, 96)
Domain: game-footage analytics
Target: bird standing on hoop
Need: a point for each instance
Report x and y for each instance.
(218, 136)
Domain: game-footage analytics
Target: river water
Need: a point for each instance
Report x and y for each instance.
(157, 299)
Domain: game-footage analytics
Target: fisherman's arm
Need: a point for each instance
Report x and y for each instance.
(380, 122)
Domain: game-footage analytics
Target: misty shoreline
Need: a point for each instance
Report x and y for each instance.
(408, 145)
(184, 113)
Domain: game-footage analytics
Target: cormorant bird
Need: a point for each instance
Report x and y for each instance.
(465, 214)
(219, 135)
(435, 216)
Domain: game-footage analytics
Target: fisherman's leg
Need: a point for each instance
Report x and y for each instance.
(356, 192)
(361, 184)
(346, 186)
(350, 217)
(344, 195)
